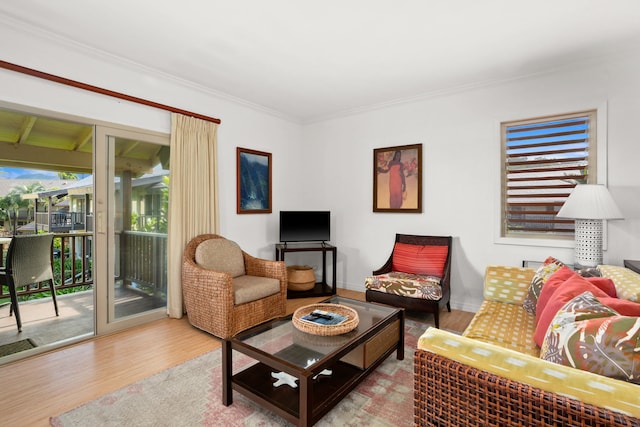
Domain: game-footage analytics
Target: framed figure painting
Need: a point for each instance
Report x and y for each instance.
(253, 184)
(397, 179)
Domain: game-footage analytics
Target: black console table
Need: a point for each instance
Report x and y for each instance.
(321, 288)
(632, 265)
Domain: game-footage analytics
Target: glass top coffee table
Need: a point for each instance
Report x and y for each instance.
(301, 376)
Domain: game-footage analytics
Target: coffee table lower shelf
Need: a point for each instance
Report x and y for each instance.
(257, 384)
(350, 358)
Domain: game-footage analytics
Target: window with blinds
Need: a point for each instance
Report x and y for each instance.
(543, 159)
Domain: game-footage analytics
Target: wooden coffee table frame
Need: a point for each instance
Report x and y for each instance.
(312, 399)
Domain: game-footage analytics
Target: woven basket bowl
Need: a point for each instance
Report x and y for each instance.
(326, 330)
(300, 278)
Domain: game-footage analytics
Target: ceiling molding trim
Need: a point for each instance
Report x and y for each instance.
(101, 55)
(613, 55)
(78, 47)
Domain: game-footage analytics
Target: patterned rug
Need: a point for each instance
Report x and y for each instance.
(190, 394)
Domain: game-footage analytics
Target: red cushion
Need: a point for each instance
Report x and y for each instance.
(571, 288)
(605, 284)
(622, 306)
(551, 285)
(417, 259)
(557, 279)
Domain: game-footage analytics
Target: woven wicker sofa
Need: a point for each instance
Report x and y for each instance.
(493, 375)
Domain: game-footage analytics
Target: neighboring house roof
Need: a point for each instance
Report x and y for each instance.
(59, 187)
(78, 184)
(7, 184)
(28, 227)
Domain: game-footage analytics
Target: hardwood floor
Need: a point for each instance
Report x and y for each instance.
(49, 384)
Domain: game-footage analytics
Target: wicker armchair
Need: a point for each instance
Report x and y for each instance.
(224, 302)
(418, 304)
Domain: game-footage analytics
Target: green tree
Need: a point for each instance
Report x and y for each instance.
(13, 201)
(164, 207)
(67, 175)
(159, 223)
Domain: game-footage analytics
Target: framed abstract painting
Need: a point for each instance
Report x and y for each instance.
(397, 179)
(253, 184)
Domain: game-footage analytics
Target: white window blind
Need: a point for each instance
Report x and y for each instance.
(543, 159)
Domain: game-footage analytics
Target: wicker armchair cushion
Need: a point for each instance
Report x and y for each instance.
(221, 255)
(251, 288)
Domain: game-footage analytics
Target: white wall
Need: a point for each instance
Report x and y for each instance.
(243, 125)
(328, 165)
(461, 174)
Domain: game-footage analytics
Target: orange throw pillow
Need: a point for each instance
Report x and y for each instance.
(552, 284)
(605, 284)
(417, 259)
(557, 279)
(571, 288)
(622, 306)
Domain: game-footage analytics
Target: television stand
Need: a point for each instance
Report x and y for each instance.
(321, 288)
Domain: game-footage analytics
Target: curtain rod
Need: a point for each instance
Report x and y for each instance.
(96, 89)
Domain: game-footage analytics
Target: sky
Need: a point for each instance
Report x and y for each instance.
(18, 173)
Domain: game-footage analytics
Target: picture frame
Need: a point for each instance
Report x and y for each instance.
(397, 179)
(253, 182)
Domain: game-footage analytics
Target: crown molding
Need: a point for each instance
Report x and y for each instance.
(626, 51)
(135, 67)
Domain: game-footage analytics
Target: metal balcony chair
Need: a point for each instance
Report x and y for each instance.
(28, 262)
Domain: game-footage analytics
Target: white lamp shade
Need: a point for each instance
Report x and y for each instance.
(590, 201)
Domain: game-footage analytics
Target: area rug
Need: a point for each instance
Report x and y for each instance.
(16, 347)
(190, 394)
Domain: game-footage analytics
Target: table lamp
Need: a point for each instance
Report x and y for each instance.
(589, 204)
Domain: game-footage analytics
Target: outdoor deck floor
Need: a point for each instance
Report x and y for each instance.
(76, 319)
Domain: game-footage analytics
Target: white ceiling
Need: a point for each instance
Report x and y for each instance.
(314, 59)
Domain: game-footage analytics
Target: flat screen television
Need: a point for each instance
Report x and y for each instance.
(305, 226)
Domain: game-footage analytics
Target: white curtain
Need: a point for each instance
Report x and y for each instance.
(193, 195)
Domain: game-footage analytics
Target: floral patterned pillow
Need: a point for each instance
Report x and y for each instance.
(590, 336)
(548, 267)
(581, 307)
(407, 285)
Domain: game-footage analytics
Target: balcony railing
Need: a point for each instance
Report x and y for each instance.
(143, 262)
(76, 260)
(59, 222)
(71, 260)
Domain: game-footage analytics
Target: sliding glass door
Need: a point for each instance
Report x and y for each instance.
(46, 186)
(103, 193)
(131, 202)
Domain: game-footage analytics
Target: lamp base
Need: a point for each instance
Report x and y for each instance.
(588, 234)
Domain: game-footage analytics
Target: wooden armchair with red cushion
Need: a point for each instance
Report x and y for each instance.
(416, 276)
